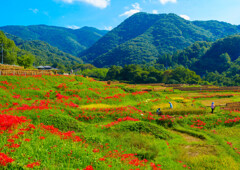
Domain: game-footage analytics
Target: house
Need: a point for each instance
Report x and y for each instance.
(46, 68)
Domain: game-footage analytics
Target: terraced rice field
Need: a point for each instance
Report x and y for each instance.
(73, 122)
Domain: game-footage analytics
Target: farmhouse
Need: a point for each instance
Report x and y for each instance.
(46, 68)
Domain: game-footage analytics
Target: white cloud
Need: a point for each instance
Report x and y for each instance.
(34, 10)
(108, 28)
(74, 27)
(155, 11)
(97, 3)
(166, 1)
(185, 17)
(136, 9)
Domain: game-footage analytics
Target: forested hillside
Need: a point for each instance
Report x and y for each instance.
(12, 54)
(67, 40)
(46, 54)
(143, 37)
(218, 62)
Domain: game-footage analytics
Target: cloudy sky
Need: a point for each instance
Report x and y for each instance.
(107, 14)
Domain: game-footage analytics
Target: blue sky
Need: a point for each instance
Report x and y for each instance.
(107, 14)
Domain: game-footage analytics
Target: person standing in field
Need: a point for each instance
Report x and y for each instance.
(159, 112)
(212, 107)
(171, 106)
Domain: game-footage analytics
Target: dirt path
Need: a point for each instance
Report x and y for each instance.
(188, 137)
(194, 146)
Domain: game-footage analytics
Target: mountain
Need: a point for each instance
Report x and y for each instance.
(220, 55)
(67, 40)
(218, 29)
(203, 57)
(45, 54)
(143, 37)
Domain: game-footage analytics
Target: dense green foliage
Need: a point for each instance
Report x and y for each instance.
(187, 57)
(220, 55)
(12, 54)
(217, 62)
(67, 40)
(143, 37)
(136, 74)
(46, 54)
(90, 71)
(218, 29)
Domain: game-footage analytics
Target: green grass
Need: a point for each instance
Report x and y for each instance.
(113, 122)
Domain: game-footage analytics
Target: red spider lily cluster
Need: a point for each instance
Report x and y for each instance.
(120, 120)
(69, 99)
(9, 121)
(199, 124)
(129, 159)
(4, 159)
(236, 149)
(34, 164)
(139, 92)
(235, 120)
(62, 135)
(89, 167)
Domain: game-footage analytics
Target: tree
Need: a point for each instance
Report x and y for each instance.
(113, 73)
(9, 50)
(26, 60)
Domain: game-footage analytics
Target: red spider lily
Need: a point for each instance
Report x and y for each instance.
(95, 150)
(42, 137)
(62, 86)
(62, 135)
(4, 159)
(9, 121)
(32, 165)
(59, 96)
(116, 96)
(139, 92)
(198, 124)
(71, 104)
(16, 96)
(237, 119)
(229, 143)
(10, 140)
(89, 167)
(31, 126)
(14, 145)
(120, 120)
(155, 167)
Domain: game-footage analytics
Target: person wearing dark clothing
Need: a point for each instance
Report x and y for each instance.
(159, 112)
(212, 107)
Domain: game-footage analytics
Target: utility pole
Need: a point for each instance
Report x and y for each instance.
(2, 53)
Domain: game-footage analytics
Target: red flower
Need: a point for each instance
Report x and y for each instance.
(14, 145)
(4, 159)
(89, 167)
(102, 159)
(32, 165)
(95, 150)
(10, 140)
